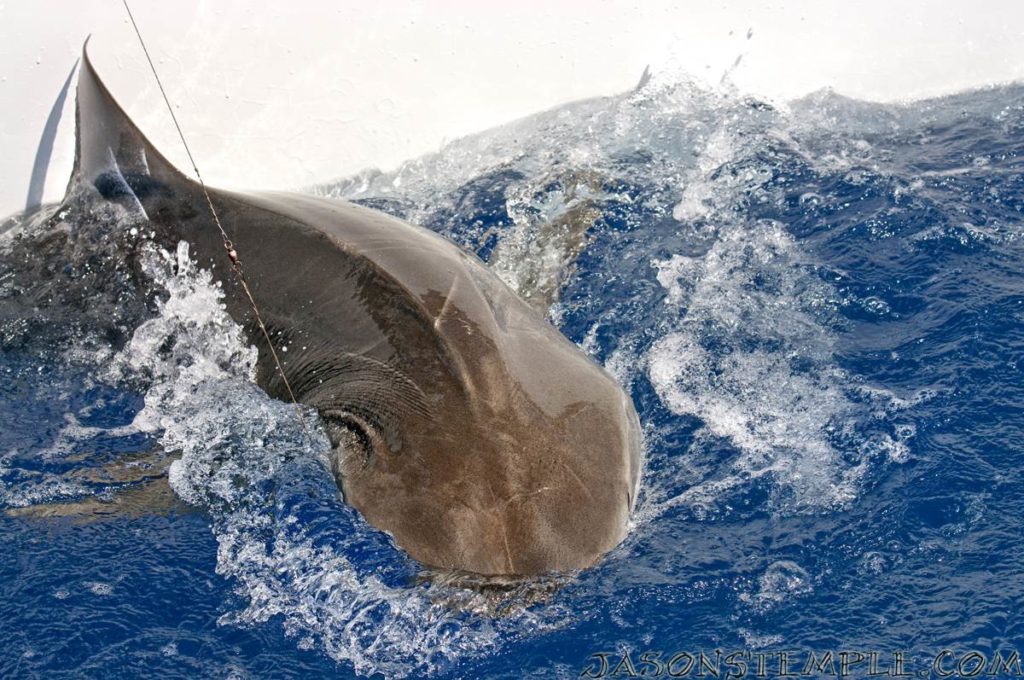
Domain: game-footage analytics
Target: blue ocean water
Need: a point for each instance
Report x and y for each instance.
(818, 308)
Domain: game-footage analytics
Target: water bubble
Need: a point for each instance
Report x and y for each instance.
(876, 306)
(99, 588)
(783, 580)
(873, 562)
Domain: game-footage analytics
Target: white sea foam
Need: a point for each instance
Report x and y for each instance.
(752, 361)
(782, 581)
(753, 356)
(748, 345)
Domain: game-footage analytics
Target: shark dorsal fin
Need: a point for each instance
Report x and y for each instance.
(109, 147)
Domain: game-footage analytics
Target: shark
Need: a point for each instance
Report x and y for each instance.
(460, 420)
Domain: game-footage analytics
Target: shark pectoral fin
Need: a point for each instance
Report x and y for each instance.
(146, 492)
(154, 497)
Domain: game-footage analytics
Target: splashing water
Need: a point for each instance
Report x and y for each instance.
(284, 536)
(816, 308)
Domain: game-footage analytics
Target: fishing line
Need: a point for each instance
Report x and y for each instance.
(229, 247)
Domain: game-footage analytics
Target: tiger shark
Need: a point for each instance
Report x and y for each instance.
(461, 421)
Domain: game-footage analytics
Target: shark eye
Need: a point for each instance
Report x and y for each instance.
(357, 439)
